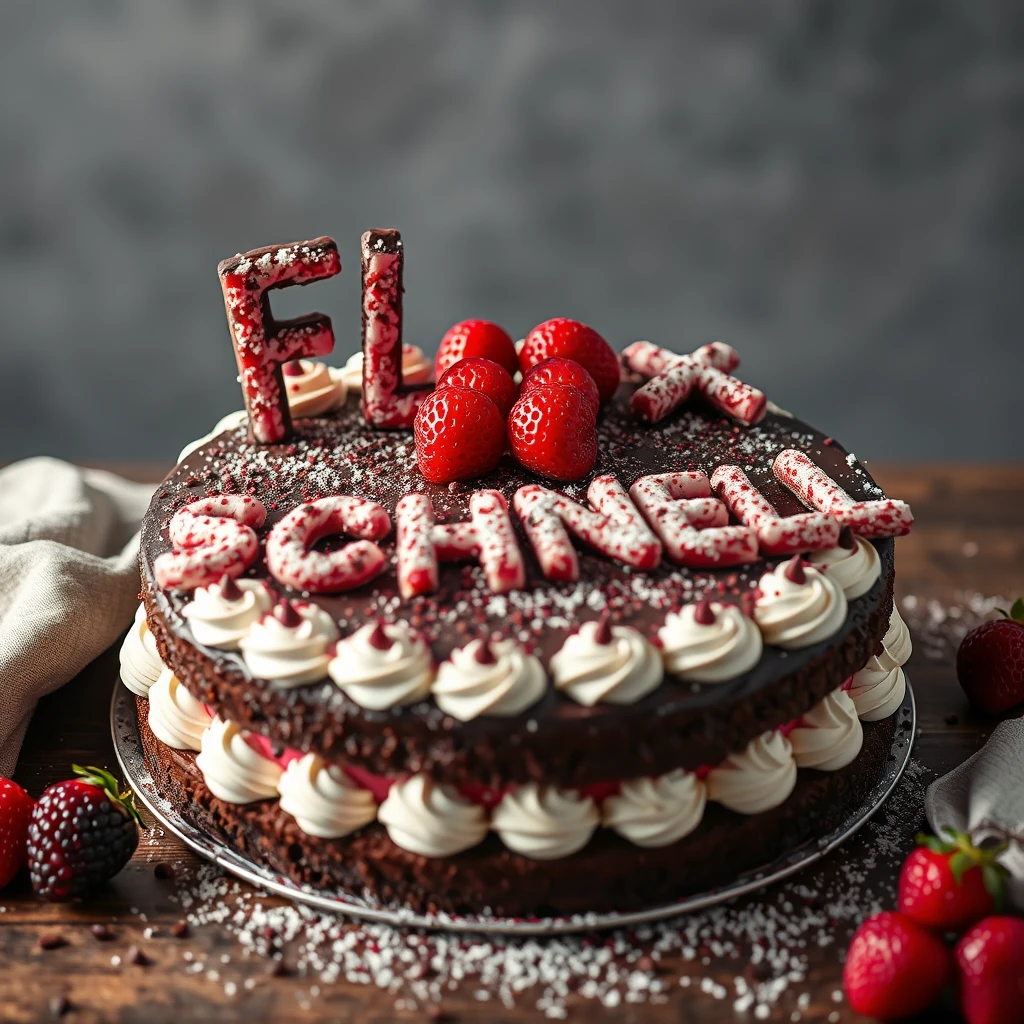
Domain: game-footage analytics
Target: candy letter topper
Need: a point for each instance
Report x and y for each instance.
(816, 489)
(262, 343)
(806, 531)
(293, 561)
(692, 525)
(386, 401)
(488, 537)
(615, 529)
(672, 378)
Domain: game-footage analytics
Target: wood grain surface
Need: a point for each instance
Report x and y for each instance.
(968, 540)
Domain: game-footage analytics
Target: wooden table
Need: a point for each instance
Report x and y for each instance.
(969, 538)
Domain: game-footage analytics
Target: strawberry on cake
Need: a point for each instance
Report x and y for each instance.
(566, 631)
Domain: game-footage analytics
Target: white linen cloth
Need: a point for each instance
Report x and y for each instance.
(985, 797)
(69, 580)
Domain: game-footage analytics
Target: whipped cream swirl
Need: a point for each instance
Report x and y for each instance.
(315, 390)
(545, 823)
(613, 665)
(709, 652)
(383, 666)
(323, 800)
(232, 770)
(829, 736)
(140, 661)
(756, 779)
(217, 621)
(798, 613)
(290, 655)
(416, 369)
(656, 812)
(430, 819)
(488, 679)
(175, 716)
(897, 638)
(854, 568)
(229, 422)
(878, 689)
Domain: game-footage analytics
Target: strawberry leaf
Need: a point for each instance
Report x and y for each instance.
(935, 844)
(994, 876)
(1002, 611)
(1017, 611)
(959, 863)
(102, 779)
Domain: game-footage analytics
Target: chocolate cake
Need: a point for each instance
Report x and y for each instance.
(535, 689)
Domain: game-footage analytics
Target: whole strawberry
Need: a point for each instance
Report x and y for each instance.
(82, 833)
(476, 338)
(573, 340)
(558, 370)
(990, 971)
(894, 967)
(460, 434)
(990, 662)
(552, 431)
(15, 812)
(483, 375)
(948, 884)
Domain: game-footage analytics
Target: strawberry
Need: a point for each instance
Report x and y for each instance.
(573, 340)
(990, 971)
(949, 884)
(476, 338)
(82, 833)
(553, 431)
(990, 662)
(459, 434)
(558, 370)
(15, 811)
(894, 967)
(485, 376)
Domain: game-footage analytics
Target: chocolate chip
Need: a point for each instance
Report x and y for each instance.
(101, 932)
(952, 719)
(136, 956)
(52, 940)
(163, 871)
(179, 929)
(59, 1005)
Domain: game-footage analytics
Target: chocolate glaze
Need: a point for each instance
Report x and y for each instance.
(556, 740)
(608, 874)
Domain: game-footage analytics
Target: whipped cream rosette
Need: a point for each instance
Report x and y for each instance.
(323, 800)
(383, 665)
(798, 606)
(221, 614)
(853, 563)
(709, 642)
(606, 664)
(289, 645)
(485, 678)
(430, 819)
(175, 716)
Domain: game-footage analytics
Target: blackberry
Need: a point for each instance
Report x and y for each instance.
(82, 832)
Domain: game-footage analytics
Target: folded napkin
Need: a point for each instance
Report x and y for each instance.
(985, 797)
(69, 580)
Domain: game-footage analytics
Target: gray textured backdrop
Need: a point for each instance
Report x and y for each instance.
(834, 188)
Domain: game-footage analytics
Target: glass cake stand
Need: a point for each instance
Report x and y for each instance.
(128, 746)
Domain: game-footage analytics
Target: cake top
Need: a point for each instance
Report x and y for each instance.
(452, 581)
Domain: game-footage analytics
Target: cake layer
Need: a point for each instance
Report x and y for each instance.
(556, 740)
(608, 874)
